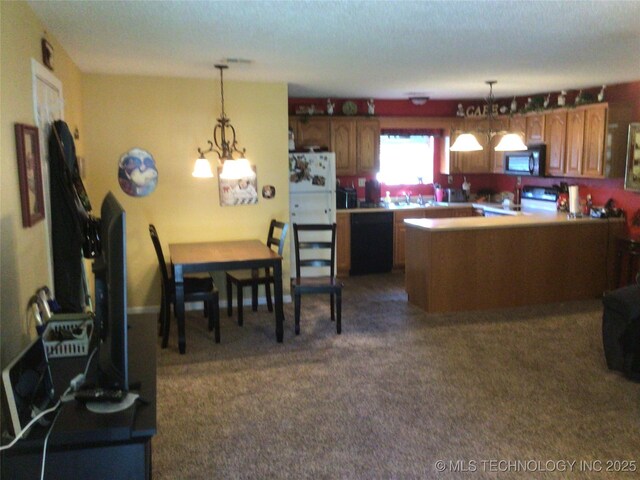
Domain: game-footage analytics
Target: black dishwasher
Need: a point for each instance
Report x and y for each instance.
(371, 242)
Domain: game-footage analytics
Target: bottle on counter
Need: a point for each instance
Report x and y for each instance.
(517, 193)
(387, 199)
(588, 205)
(466, 187)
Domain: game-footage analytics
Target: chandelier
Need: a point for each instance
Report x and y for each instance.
(467, 142)
(224, 144)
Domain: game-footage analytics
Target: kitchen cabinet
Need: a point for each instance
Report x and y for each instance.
(535, 128)
(575, 143)
(400, 228)
(594, 141)
(486, 160)
(343, 143)
(595, 122)
(355, 141)
(312, 131)
(555, 134)
(343, 242)
(367, 146)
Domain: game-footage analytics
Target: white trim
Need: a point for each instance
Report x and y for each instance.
(40, 73)
(190, 306)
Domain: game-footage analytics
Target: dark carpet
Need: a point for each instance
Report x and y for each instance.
(517, 393)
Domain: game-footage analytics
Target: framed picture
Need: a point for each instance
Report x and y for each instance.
(30, 174)
(243, 191)
(632, 172)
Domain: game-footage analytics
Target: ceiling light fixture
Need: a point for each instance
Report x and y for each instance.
(232, 168)
(510, 141)
(419, 100)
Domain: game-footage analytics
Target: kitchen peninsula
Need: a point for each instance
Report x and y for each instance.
(476, 263)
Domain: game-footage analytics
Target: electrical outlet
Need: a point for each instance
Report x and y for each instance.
(450, 179)
(361, 181)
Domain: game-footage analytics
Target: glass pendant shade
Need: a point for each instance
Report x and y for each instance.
(511, 142)
(202, 169)
(236, 169)
(466, 142)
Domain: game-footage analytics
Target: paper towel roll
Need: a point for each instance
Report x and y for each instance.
(574, 200)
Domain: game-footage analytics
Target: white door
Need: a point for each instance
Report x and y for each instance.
(48, 106)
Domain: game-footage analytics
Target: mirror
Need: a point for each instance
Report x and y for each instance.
(632, 172)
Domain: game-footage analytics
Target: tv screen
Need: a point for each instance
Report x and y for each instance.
(110, 270)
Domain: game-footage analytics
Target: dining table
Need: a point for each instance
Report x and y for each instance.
(198, 257)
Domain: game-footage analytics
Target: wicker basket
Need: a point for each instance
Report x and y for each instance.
(68, 335)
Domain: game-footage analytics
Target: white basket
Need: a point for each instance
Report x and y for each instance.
(68, 335)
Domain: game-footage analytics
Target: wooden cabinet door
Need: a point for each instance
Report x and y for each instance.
(595, 122)
(343, 242)
(575, 142)
(555, 134)
(313, 132)
(476, 162)
(368, 146)
(497, 158)
(343, 143)
(535, 129)
(399, 233)
(518, 124)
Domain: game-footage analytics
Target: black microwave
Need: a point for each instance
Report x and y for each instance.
(530, 162)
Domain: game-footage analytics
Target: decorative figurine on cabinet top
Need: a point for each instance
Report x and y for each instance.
(562, 98)
(371, 108)
(601, 94)
(330, 106)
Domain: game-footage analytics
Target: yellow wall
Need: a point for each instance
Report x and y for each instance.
(171, 118)
(23, 262)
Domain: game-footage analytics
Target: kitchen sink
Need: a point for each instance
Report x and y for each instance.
(401, 205)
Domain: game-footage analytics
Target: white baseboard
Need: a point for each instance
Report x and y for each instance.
(198, 305)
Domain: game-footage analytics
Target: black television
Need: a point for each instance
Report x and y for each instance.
(110, 273)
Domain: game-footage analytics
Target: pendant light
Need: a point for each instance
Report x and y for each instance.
(510, 141)
(225, 148)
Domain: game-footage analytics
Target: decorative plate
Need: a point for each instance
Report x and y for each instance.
(349, 108)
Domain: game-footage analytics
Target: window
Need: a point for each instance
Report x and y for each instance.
(406, 158)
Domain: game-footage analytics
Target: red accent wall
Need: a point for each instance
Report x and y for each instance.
(600, 190)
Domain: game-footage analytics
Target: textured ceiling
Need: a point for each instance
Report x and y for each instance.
(361, 49)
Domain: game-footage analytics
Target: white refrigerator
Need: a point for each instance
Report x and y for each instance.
(312, 195)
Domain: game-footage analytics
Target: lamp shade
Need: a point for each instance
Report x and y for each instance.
(511, 142)
(236, 169)
(202, 169)
(466, 142)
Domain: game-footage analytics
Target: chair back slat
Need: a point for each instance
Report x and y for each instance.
(272, 239)
(158, 248)
(314, 249)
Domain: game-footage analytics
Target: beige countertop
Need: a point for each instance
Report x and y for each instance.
(529, 219)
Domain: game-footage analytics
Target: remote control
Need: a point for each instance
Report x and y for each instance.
(100, 395)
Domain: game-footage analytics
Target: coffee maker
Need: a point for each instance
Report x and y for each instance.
(372, 192)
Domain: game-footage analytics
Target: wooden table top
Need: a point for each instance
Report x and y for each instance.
(227, 251)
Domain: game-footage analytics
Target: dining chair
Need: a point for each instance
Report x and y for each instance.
(255, 277)
(196, 289)
(314, 250)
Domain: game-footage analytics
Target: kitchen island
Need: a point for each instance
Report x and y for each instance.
(476, 263)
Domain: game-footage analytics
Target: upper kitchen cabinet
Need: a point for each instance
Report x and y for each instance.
(587, 141)
(368, 146)
(356, 143)
(535, 128)
(343, 143)
(312, 131)
(486, 160)
(555, 134)
(574, 144)
(595, 121)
